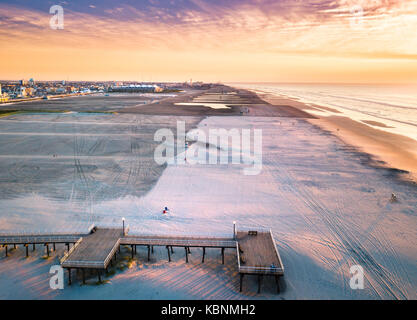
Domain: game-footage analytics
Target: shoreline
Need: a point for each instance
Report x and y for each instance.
(387, 150)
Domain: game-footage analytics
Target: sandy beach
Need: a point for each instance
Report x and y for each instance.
(327, 204)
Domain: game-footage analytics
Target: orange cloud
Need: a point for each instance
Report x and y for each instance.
(246, 42)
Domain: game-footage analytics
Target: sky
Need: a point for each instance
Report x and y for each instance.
(342, 41)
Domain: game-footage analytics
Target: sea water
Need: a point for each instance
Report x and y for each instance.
(394, 107)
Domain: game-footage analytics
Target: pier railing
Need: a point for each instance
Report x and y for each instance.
(112, 252)
(25, 239)
(179, 234)
(40, 234)
(258, 229)
(277, 253)
(268, 270)
(67, 253)
(180, 242)
(46, 233)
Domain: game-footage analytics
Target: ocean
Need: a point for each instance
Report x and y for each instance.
(393, 108)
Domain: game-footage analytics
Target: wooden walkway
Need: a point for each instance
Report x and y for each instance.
(35, 239)
(257, 254)
(39, 239)
(175, 241)
(94, 251)
(256, 250)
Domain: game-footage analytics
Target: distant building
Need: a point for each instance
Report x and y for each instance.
(71, 89)
(22, 92)
(159, 89)
(29, 92)
(3, 96)
(142, 88)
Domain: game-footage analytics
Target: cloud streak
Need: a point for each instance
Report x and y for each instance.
(379, 29)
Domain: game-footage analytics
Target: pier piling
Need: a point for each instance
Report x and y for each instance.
(169, 254)
(277, 283)
(47, 249)
(259, 283)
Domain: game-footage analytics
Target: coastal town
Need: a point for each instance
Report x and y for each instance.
(26, 90)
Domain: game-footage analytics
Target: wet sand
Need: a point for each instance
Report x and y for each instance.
(388, 149)
(240, 102)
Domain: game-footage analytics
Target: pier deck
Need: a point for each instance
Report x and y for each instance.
(95, 250)
(257, 253)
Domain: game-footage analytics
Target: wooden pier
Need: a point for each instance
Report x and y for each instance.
(48, 241)
(257, 254)
(255, 248)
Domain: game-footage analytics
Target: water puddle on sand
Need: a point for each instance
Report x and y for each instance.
(203, 104)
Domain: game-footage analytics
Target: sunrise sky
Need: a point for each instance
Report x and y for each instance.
(351, 41)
